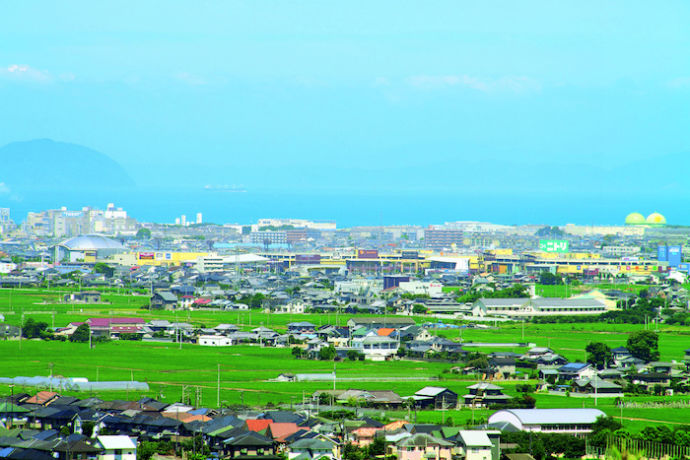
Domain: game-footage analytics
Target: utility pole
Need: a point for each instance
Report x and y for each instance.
(218, 390)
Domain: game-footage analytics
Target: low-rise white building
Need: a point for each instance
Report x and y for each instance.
(376, 348)
(568, 421)
(214, 341)
(117, 448)
(430, 288)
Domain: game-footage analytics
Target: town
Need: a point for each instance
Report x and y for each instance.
(289, 338)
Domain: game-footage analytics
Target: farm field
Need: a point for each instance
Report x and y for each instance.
(245, 371)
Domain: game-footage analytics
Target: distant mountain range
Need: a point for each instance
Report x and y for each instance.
(45, 165)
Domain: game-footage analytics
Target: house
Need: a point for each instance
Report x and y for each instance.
(505, 367)
(83, 297)
(116, 448)
(318, 447)
(569, 421)
(109, 327)
(485, 394)
(573, 371)
(381, 322)
(422, 446)
(436, 398)
(163, 300)
(300, 327)
(376, 348)
(248, 444)
(619, 354)
(214, 341)
(597, 386)
(475, 445)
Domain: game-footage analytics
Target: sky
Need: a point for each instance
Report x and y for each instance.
(376, 97)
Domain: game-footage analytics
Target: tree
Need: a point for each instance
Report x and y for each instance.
(550, 279)
(377, 447)
(81, 334)
(143, 234)
(599, 354)
(297, 352)
(33, 329)
(419, 309)
(105, 269)
(327, 353)
(644, 345)
(354, 355)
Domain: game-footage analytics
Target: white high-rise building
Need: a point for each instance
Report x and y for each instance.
(199, 218)
(183, 220)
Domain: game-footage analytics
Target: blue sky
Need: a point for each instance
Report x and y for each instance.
(323, 95)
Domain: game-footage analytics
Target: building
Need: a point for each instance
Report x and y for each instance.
(569, 421)
(214, 341)
(476, 445)
(375, 347)
(269, 237)
(116, 448)
(164, 300)
(485, 394)
(87, 249)
(65, 223)
(544, 306)
(436, 398)
(422, 446)
(439, 239)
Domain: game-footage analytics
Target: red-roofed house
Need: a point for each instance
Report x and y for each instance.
(280, 431)
(258, 424)
(105, 326)
(43, 398)
(385, 331)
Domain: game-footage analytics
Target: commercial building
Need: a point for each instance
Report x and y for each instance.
(87, 249)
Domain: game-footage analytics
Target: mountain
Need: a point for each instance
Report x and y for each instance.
(46, 165)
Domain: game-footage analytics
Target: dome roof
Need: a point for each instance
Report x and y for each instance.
(91, 243)
(635, 218)
(656, 219)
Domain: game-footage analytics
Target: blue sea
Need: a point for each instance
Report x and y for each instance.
(355, 208)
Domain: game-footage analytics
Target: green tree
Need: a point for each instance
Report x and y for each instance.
(81, 334)
(297, 352)
(599, 354)
(105, 269)
(33, 329)
(549, 279)
(644, 345)
(143, 234)
(327, 353)
(419, 309)
(377, 447)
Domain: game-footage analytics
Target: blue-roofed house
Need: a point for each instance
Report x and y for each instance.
(573, 371)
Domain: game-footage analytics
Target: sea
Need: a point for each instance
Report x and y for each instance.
(354, 208)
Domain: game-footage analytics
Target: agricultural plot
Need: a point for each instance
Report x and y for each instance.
(246, 371)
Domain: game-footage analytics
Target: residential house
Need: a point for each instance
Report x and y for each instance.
(164, 300)
(422, 446)
(436, 398)
(572, 371)
(485, 394)
(116, 448)
(375, 348)
(475, 445)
